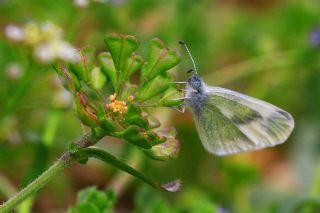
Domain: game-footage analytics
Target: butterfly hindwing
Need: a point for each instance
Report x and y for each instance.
(230, 122)
(218, 135)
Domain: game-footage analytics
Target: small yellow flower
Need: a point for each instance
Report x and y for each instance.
(113, 97)
(116, 105)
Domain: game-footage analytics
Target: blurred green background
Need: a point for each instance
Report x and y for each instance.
(269, 49)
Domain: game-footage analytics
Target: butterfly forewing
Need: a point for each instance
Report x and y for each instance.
(230, 122)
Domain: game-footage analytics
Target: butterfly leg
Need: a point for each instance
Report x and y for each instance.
(180, 82)
(181, 107)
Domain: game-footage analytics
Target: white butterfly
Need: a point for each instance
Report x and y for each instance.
(229, 122)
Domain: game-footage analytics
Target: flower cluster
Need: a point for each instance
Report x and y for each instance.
(117, 106)
(46, 39)
(123, 114)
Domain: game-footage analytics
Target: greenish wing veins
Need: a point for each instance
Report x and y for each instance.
(218, 134)
(231, 122)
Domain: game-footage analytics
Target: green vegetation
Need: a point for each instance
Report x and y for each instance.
(93, 81)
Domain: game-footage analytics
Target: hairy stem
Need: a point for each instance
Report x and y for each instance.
(63, 162)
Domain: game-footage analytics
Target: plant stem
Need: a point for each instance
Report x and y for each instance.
(63, 162)
(108, 158)
(37, 184)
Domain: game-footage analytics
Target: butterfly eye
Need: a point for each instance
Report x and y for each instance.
(196, 84)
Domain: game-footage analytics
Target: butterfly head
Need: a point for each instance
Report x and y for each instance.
(195, 82)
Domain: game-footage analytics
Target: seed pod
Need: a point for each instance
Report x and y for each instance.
(160, 60)
(121, 47)
(154, 87)
(136, 136)
(165, 151)
(83, 68)
(86, 115)
(107, 67)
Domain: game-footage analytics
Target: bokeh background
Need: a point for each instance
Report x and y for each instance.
(269, 49)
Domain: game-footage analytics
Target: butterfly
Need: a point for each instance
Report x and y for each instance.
(229, 122)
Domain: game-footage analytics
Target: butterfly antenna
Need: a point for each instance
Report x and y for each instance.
(186, 47)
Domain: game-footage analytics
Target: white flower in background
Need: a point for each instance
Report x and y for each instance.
(81, 3)
(46, 39)
(85, 3)
(14, 71)
(58, 49)
(14, 32)
(62, 99)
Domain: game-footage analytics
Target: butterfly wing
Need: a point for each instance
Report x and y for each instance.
(229, 122)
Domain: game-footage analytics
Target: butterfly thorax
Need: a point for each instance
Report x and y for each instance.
(195, 94)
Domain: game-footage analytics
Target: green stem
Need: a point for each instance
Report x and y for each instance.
(63, 162)
(107, 157)
(37, 184)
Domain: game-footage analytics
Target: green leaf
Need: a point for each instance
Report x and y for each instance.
(98, 79)
(107, 67)
(160, 60)
(105, 123)
(134, 135)
(154, 87)
(133, 116)
(87, 207)
(94, 196)
(171, 98)
(83, 68)
(111, 198)
(121, 47)
(108, 158)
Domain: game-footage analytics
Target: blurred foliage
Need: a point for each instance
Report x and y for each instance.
(92, 200)
(267, 49)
